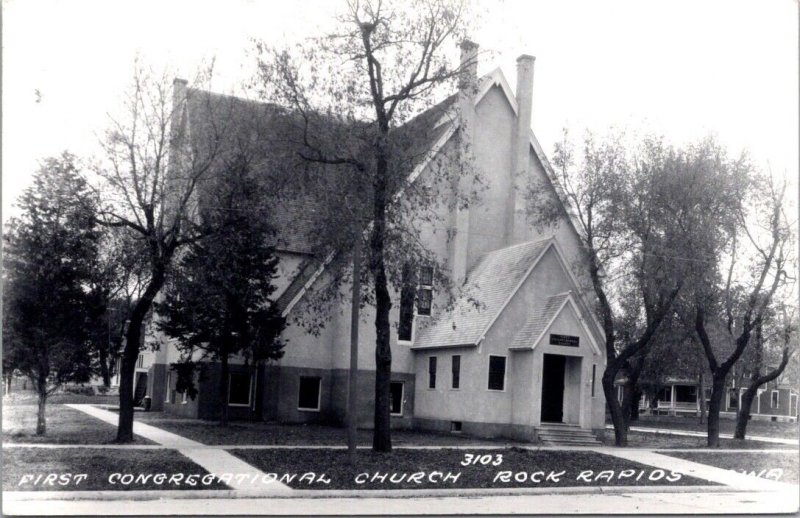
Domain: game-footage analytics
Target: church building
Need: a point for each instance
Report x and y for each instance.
(518, 353)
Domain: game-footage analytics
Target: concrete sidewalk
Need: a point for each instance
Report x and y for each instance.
(689, 433)
(727, 477)
(214, 461)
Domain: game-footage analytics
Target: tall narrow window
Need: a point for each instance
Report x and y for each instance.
(405, 326)
(775, 399)
(594, 373)
(140, 361)
(425, 291)
(396, 388)
(432, 372)
(456, 371)
(168, 388)
(497, 372)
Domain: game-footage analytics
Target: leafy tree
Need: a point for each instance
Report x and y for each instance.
(48, 264)
(352, 92)
(219, 301)
(730, 300)
(150, 175)
(642, 209)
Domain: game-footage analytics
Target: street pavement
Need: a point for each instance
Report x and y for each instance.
(649, 503)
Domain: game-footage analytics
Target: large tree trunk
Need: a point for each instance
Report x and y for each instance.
(743, 415)
(381, 439)
(41, 420)
(717, 393)
(133, 338)
(614, 408)
(223, 391)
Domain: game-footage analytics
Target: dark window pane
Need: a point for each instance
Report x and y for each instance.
(426, 276)
(397, 397)
(456, 371)
(733, 399)
(239, 389)
(424, 301)
(309, 393)
(497, 372)
(406, 324)
(432, 372)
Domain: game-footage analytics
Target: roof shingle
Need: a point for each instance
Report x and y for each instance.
(490, 283)
(537, 324)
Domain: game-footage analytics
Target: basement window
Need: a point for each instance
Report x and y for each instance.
(309, 397)
(455, 426)
(239, 389)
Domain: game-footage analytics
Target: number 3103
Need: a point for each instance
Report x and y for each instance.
(487, 459)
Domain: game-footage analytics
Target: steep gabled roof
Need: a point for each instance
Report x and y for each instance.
(490, 285)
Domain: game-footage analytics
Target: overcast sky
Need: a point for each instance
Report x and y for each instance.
(680, 68)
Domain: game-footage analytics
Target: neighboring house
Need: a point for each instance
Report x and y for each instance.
(520, 346)
(775, 401)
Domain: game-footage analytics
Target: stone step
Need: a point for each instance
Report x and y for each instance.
(546, 437)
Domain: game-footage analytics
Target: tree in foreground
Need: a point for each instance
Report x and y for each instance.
(352, 91)
(218, 304)
(745, 267)
(150, 174)
(49, 257)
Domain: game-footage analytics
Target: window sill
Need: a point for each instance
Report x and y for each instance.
(239, 404)
(307, 409)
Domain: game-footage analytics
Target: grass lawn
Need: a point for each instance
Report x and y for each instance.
(263, 433)
(666, 441)
(754, 427)
(30, 398)
(64, 426)
(517, 466)
(22, 466)
(748, 462)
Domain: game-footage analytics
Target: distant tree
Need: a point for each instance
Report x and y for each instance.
(219, 302)
(352, 91)
(120, 273)
(49, 256)
(742, 270)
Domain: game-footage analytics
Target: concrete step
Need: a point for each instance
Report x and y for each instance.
(555, 434)
(567, 440)
(566, 432)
